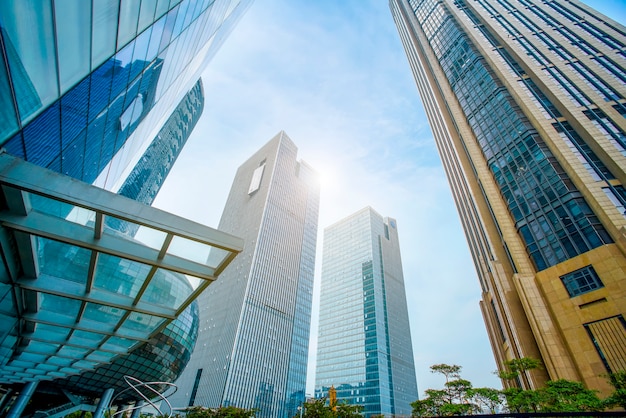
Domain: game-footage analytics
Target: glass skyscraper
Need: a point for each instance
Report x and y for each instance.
(86, 88)
(527, 103)
(364, 345)
(253, 341)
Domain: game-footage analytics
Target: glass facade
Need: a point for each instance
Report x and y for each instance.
(254, 322)
(364, 344)
(76, 93)
(148, 175)
(86, 87)
(526, 100)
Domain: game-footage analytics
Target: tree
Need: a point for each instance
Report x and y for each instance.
(487, 399)
(567, 396)
(453, 399)
(222, 412)
(617, 398)
(319, 409)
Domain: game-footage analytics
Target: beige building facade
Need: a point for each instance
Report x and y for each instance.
(527, 104)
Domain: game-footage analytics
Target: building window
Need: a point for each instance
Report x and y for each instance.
(609, 337)
(581, 281)
(194, 391)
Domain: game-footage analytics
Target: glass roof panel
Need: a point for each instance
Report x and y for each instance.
(119, 275)
(216, 257)
(108, 316)
(85, 338)
(168, 289)
(72, 352)
(62, 260)
(101, 356)
(60, 361)
(118, 344)
(141, 323)
(191, 250)
(151, 237)
(51, 333)
(42, 348)
(59, 305)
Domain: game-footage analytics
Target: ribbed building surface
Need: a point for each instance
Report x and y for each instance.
(364, 345)
(526, 100)
(254, 321)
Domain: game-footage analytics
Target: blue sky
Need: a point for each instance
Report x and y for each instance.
(334, 77)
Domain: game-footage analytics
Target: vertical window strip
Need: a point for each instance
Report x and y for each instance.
(611, 67)
(608, 128)
(584, 153)
(566, 86)
(609, 337)
(602, 88)
(617, 195)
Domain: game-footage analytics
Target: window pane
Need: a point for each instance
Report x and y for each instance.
(31, 53)
(146, 15)
(581, 281)
(104, 30)
(8, 118)
(129, 15)
(73, 40)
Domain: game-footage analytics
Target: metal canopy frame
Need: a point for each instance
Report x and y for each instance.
(56, 322)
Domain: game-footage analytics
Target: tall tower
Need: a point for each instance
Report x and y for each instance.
(526, 100)
(254, 322)
(364, 346)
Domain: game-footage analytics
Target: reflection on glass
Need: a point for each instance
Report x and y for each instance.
(85, 338)
(167, 289)
(51, 333)
(108, 315)
(31, 54)
(140, 322)
(59, 305)
(118, 344)
(119, 275)
(63, 261)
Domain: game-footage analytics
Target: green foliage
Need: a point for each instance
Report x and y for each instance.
(222, 412)
(568, 396)
(487, 399)
(617, 398)
(319, 409)
(458, 397)
(519, 400)
(517, 366)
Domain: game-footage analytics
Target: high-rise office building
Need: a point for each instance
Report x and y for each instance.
(149, 173)
(364, 345)
(85, 87)
(526, 100)
(254, 322)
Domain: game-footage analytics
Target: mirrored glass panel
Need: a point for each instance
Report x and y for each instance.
(73, 32)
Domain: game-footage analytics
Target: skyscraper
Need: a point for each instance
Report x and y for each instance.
(85, 87)
(526, 100)
(254, 322)
(364, 346)
(149, 173)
